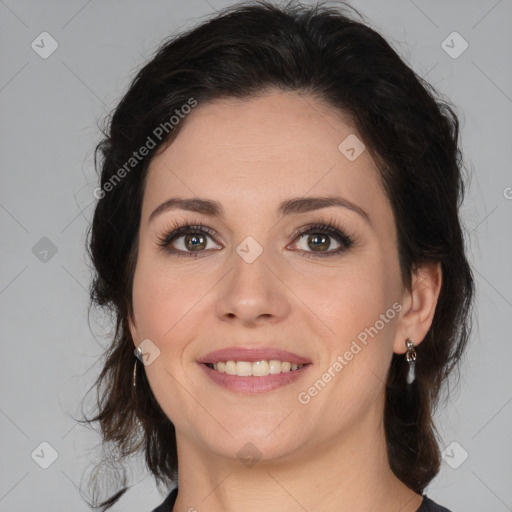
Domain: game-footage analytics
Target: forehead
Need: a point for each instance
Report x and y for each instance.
(256, 152)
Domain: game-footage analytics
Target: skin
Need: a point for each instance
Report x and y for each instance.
(250, 155)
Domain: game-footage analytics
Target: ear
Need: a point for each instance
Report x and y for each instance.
(133, 329)
(419, 306)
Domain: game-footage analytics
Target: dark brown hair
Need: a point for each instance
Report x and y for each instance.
(412, 134)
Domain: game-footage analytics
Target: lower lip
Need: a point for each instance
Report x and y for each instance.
(254, 385)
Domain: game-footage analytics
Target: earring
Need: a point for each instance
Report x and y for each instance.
(410, 357)
(138, 355)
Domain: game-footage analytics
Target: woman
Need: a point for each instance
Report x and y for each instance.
(277, 235)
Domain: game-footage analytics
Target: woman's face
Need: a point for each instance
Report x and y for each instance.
(246, 286)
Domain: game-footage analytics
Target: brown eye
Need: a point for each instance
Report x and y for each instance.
(188, 240)
(322, 240)
(193, 242)
(317, 242)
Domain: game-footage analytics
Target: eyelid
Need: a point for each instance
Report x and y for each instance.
(332, 228)
(173, 227)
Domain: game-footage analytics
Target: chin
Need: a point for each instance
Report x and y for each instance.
(249, 449)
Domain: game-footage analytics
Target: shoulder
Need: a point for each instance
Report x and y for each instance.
(167, 505)
(430, 506)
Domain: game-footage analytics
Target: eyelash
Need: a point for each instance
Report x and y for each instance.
(331, 228)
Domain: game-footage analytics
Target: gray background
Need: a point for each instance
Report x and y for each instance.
(49, 113)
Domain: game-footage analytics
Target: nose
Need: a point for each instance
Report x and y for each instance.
(253, 293)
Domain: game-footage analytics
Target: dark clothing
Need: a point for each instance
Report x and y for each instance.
(167, 505)
(427, 504)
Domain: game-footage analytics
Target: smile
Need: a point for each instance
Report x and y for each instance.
(253, 370)
(256, 368)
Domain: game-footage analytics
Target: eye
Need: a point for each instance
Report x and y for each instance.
(188, 240)
(317, 239)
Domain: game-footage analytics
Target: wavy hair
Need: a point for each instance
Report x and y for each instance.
(412, 133)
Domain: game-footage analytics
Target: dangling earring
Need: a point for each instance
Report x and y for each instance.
(138, 355)
(410, 357)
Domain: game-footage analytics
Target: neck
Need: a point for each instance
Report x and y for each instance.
(340, 475)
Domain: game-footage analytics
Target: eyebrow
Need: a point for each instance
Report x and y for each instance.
(291, 206)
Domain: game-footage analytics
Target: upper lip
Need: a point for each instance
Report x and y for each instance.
(252, 355)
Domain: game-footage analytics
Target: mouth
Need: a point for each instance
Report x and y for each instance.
(253, 371)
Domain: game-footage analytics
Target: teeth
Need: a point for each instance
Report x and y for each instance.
(230, 367)
(275, 366)
(243, 369)
(256, 368)
(260, 368)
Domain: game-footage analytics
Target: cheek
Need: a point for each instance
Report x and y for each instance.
(351, 376)
(151, 305)
(163, 302)
(351, 298)
(356, 304)
(162, 297)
